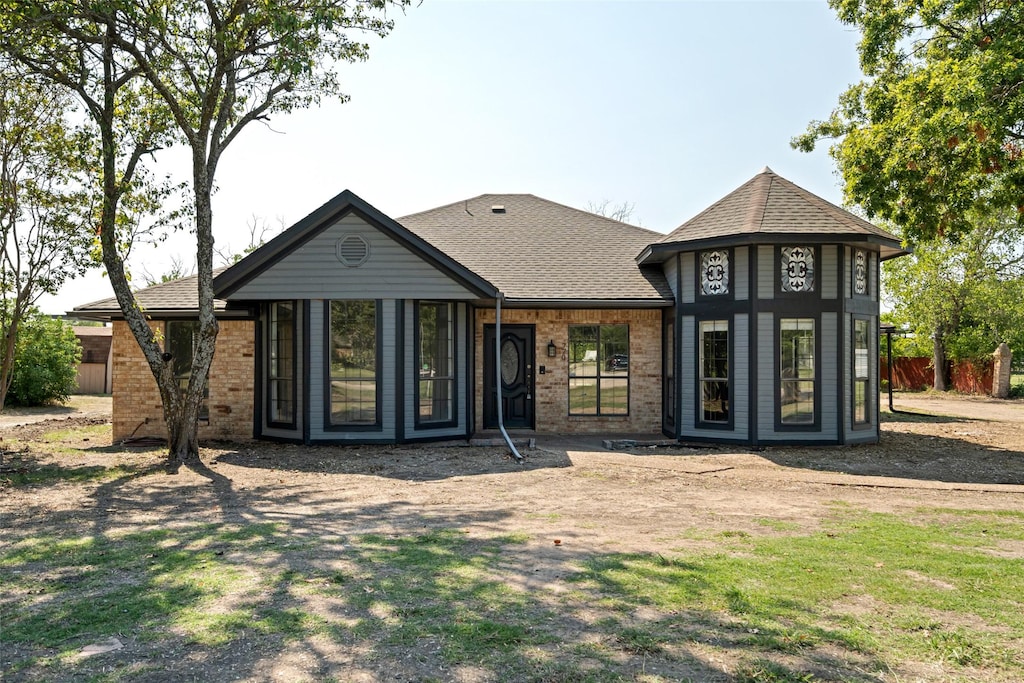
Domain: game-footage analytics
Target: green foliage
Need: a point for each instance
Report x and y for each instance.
(967, 293)
(936, 129)
(45, 361)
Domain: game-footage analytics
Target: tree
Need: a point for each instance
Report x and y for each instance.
(45, 361)
(618, 212)
(935, 133)
(197, 72)
(43, 204)
(964, 296)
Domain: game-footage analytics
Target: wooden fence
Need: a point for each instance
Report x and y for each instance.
(916, 374)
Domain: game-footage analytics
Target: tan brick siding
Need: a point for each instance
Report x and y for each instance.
(552, 388)
(137, 409)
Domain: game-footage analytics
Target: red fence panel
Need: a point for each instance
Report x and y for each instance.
(916, 374)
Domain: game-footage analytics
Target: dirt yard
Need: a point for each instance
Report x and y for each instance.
(570, 502)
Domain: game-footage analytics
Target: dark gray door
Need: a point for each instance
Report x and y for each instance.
(517, 404)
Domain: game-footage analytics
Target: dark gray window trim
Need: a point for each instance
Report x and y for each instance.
(629, 377)
(400, 370)
(814, 426)
(699, 423)
(669, 360)
(307, 376)
(730, 295)
(295, 367)
(435, 424)
(872, 371)
(257, 385)
(813, 295)
(377, 426)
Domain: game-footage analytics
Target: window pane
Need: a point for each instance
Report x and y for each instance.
(861, 367)
(583, 396)
(583, 351)
(796, 362)
(797, 269)
(180, 342)
(614, 396)
(281, 361)
(860, 401)
(436, 361)
(353, 328)
(715, 397)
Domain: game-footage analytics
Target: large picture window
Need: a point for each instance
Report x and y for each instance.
(281, 364)
(353, 363)
(796, 371)
(861, 372)
(714, 371)
(435, 361)
(181, 339)
(599, 370)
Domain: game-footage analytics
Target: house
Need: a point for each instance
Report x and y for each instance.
(94, 374)
(754, 322)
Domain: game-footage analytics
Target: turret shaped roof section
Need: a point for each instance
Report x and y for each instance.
(768, 209)
(540, 252)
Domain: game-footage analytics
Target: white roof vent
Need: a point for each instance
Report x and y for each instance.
(498, 208)
(352, 250)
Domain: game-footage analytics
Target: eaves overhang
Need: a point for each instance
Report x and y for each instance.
(661, 251)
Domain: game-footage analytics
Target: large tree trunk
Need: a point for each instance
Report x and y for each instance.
(7, 363)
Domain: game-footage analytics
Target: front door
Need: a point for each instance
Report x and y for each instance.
(516, 377)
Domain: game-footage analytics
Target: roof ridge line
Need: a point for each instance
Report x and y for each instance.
(758, 202)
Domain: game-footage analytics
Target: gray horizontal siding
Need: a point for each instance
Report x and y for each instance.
(671, 268)
(688, 264)
(742, 273)
(765, 335)
(687, 380)
(313, 271)
(766, 269)
(741, 375)
(829, 271)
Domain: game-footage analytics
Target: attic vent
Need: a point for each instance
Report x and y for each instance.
(352, 250)
(498, 208)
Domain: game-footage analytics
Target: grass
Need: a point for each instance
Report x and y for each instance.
(936, 591)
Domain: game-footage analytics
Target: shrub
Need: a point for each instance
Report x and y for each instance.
(45, 362)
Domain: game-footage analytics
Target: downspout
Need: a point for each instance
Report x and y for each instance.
(497, 376)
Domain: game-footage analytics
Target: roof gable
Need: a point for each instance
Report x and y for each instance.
(343, 205)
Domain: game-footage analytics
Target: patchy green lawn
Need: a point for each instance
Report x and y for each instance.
(263, 567)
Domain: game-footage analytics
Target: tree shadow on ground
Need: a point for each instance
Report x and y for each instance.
(407, 463)
(959, 455)
(199, 578)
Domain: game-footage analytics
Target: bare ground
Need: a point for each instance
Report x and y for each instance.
(571, 502)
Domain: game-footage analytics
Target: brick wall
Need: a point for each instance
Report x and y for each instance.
(137, 410)
(552, 388)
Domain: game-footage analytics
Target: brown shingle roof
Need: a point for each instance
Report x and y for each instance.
(174, 297)
(768, 206)
(534, 249)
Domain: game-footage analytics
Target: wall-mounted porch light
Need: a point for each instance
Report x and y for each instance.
(552, 349)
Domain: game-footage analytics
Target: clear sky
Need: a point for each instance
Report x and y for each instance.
(666, 105)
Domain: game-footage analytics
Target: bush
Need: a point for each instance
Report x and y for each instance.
(45, 362)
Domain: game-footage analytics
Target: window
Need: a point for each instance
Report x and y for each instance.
(281, 364)
(860, 372)
(599, 370)
(182, 337)
(796, 371)
(860, 272)
(797, 269)
(714, 371)
(714, 273)
(353, 363)
(435, 361)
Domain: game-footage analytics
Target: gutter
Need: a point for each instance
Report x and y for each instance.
(497, 376)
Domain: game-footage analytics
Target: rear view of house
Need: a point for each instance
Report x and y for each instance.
(753, 322)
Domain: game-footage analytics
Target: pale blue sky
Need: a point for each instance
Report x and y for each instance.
(666, 105)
